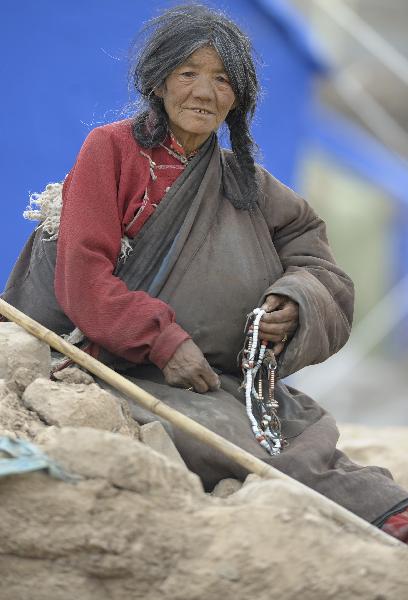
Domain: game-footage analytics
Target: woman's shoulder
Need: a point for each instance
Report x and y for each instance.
(117, 133)
(279, 204)
(271, 189)
(282, 204)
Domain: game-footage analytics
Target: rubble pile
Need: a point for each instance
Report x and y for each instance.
(130, 521)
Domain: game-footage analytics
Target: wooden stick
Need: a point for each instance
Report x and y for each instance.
(240, 456)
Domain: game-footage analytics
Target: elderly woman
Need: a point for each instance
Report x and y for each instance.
(166, 243)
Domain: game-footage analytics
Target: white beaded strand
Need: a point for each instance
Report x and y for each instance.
(255, 360)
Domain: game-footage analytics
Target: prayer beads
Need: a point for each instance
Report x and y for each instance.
(258, 364)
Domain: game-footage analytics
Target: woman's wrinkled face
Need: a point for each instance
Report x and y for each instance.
(197, 97)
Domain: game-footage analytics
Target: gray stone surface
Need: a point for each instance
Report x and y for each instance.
(154, 435)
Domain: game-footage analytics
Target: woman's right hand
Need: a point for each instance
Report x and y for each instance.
(189, 368)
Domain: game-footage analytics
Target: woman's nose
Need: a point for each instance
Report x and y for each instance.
(203, 88)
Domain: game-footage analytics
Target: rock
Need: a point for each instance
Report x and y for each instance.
(21, 379)
(125, 463)
(226, 487)
(19, 349)
(140, 526)
(74, 375)
(386, 447)
(16, 418)
(79, 405)
(154, 435)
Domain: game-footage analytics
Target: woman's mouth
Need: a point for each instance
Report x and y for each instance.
(201, 111)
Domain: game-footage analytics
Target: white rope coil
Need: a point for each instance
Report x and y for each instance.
(46, 208)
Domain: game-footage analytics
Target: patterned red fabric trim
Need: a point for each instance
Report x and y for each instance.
(178, 148)
(397, 526)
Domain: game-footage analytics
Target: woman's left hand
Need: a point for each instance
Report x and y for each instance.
(280, 322)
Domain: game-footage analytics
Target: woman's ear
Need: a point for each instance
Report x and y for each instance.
(159, 91)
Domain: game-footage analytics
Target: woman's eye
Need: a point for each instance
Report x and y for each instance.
(222, 79)
(187, 73)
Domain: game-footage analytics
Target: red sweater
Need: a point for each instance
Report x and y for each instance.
(110, 181)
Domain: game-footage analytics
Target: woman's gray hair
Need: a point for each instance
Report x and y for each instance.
(171, 38)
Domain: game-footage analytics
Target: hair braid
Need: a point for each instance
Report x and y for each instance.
(243, 147)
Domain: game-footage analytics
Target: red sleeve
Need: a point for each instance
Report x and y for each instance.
(130, 324)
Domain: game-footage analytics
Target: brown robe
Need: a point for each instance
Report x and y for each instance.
(229, 261)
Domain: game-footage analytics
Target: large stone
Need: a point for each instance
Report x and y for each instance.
(138, 526)
(78, 405)
(154, 435)
(21, 350)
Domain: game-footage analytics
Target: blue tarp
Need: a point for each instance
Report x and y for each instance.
(24, 457)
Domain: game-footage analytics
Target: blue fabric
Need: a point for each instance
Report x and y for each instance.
(25, 457)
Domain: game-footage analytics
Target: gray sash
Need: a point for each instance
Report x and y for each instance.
(158, 244)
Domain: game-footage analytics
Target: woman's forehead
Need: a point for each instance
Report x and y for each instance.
(207, 56)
